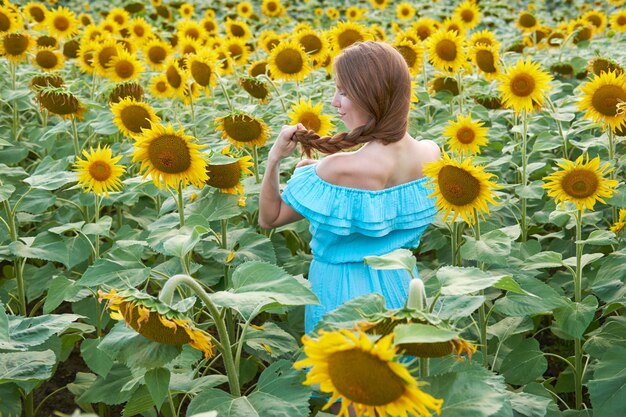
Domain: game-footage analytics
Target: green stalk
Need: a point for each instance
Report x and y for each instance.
(75, 137)
(280, 97)
(425, 76)
(166, 295)
(255, 158)
(578, 352)
(460, 86)
(482, 314)
(181, 204)
(193, 114)
(230, 104)
(524, 181)
(612, 175)
(97, 218)
(16, 116)
(230, 325)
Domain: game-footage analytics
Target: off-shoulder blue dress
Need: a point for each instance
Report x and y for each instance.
(348, 224)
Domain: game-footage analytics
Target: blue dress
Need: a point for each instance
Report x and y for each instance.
(348, 224)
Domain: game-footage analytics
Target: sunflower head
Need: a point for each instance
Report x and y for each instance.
(243, 130)
(601, 98)
(62, 23)
(255, 87)
(70, 49)
(364, 375)
(15, 46)
(465, 135)
(124, 67)
(527, 21)
(47, 80)
(598, 65)
(99, 171)
(226, 172)
(289, 62)
(60, 102)
(311, 117)
(443, 83)
(488, 101)
(48, 59)
(131, 116)
(486, 58)
(347, 33)
(524, 86)
(127, 89)
(154, 320)
(619, 224)
(446, 51)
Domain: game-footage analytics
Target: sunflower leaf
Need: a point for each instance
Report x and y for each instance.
(5, 192)
(26, 366)
(461, 281)
(398, 259)
(51, 181)
(524, 363)
(422, 333)
(607, 389)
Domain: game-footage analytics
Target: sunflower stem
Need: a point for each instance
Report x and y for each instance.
(611, 149)
(523, 224)
(482, 315)
(459, 80)
(16, 116)
(166, 295)
(193, 114)
(578, 354)
(181, 204)
(228, 317)
(75, 137)
(255, 157)
(230, 104)
(280, 97)
(425, 76)
(424, 362)
(560, 127)
(96, 219)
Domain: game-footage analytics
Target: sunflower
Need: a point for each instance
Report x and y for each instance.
(597, 19)
(46, 80)
(99, 171)
(237, 50)
(176, 77)
(355, 13)
(486, 58)
(378, 33)
(446, 51)
(618, 21)
(245, 9)
(598, 65)
(155, 53)
(257, 68)
(104, 51)
(454, 24)
(465, 135)
(311, 117)
(140, 30)
(202, 69)
(10, 20)
(127, 89)
(527, 21)
(226, 172)
(243, 130)
(170, 157)
(347, 33)
(186, 46)
(60, 102)
(45, 40)
(332, 13)
(379, 4)
(36, 12)
(412, 54)
(364, 375)
(255, 87)
(124, 67)
(48, 59)
(119, 16)
(468, 13)
(154, 320)
(237, 29)
(131, 116)
(486, 37)
(159, 87)
(186, 10)
(70, 49)
(268, 40)
(555, 39)
(210, 25)
(314, 45)
(443, 83)
(190, 29)
(62, 23)
(405, 11)
(424, 27)
(600, 98)
(461, 187)
(225, 62)
(85, 57)
(618, 226)
(583, 30)
(272, 8)
(289, 62)
(15, 46)
(524, 86)
(581, 183)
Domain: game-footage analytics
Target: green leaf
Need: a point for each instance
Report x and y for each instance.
(347, 313)
(574, 318)
(36, 202)
(100, 228)
(188, 383)
(60, 289)
(460, 281)
(612, 333)
(51, 181)
(251, 246)
(509, 284)
(599, 238)
(139, 403)
(609, 283)
(215, 206)
(11, 405)
(422, 333)
(541, 298)
(26, 332)
(5, 192)
(524, 363)
(534, 190)
(454, 307)
(183, 242)
(158, 382)
(586, 259)
(122, 267)
(510, 326)
(607, 389)
(67, 227)
(50, 247)
(492, 248)
(259, 286)
(97, 360)
(547, 259)
(269, 342)
(529, 405)
(109, 390)
(26, 366)
(398, 259)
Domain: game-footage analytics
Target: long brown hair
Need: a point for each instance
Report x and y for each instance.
(375, 77)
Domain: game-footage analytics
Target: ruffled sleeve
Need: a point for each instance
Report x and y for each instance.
(344, 210)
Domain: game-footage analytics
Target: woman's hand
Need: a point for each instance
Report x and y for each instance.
(284, 144)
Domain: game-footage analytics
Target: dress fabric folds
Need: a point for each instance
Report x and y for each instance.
(348, 224)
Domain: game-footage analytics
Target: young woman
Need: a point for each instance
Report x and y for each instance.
(367, 202)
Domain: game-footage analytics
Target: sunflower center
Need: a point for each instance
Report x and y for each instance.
(363, 378)
(289, 61)
(139, 31)
(311, 44)
(242, 128)
(458, 186)
(161, 86)
(46, 59)
(522, 85)
(527, 20)
(595, 20)
(405, 11)
(189, 49)
(408, 54)
(605, 99)
(135, 118)
(153, 328)
(173, 77)
(193, 33)
(61, 23)
(446, 50)
(235, 51)
(99, 170)
(467, 15)
(5, 22)
(201, 73)
(485, 41)
(105, 55)
(466, 135)
(157, 54)
(621, 20)
(46, 41)
(224, 175)
(60, 103)
(311, 121)
(237, 31)
(169, 154)
(209, 26)
(580, 183)
(348, 37)
(271, 6)
(255, 88)
(15, 44)
(485, 61)
(124, 69)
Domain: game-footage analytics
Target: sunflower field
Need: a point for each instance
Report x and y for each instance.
(136, 279)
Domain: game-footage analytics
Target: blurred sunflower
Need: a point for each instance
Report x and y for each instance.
(311, 117)
(85, 57)
(237, 29)
(486, 58)
(272, 8)
(424, 27)
(469, 13)
(412, 54)
(618, 226)
(405, 11)
(190, 29)
(159, 87)
(126, 89)
(202, 69)
(314, 45)
(49, 59)
(237, 50)
(186, 10)
(61, 23)
(15, 46)
(581, 182)
(154, 320)
(104, 51)
(243, 130)
(124, 67)
(345, 34)
(131, 116)
(186, 46)
(170, 157)
(598, 65)
(70, 49)
(379, 4)
(119, 16)
(10, 20)
(289, 62)
(378, 33)
(355, 13)
(524, 86)
(454, 24)
(85, 19)
(268, 40)
(443, 82)
(527, 21)
(486, 37)
(446, 51)
(461, 187)
(332, 13)
(210, 25)
(156, 52)
(600, 98)
(581, 30)
(378, 385)
(140, 30)
(257, 68)
(597, 18)
(60, 102)
(176, 78)
(618, 21)
(99, 171)
(46, 80)
(465, 135)
(255, 87)
(226, 172)
(245, 9)
(36, 12)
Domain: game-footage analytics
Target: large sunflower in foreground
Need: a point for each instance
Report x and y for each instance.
(364, 375)
(446, 51)
(131, 116)
(601, 96)
(243, 130)
(581, 182)
(524, 86)
(311, 117)
(461, 187)
(99, 171)
(465, 135)
(169, 157)
(155, 321)
(288, 61)
(225, 172)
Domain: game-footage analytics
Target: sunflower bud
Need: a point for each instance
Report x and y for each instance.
(416, 295)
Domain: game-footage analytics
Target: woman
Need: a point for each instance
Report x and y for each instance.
(367, 202)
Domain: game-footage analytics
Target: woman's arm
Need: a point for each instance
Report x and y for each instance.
(273, 212)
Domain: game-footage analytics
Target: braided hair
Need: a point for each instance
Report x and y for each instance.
(375, 77)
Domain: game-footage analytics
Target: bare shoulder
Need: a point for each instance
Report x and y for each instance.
(429, 150)
(342, 169)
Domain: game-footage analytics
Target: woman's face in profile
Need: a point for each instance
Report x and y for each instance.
(350, 114)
